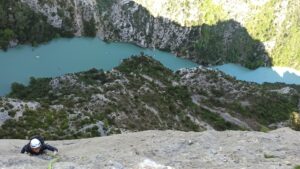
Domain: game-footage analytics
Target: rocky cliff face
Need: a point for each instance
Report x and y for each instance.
(164, 150)
(69, 14)
(209, 31)
(116, 20)
(134, 23)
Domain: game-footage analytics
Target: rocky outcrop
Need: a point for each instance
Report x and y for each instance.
(14, 108)
(71, 12)
(123, 20)
(48, 9)
(141, 94)
(164, 150)
(133, 23)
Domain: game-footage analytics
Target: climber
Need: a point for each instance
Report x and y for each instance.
(36, 146)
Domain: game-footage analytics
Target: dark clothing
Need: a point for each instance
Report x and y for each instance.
(27, 149)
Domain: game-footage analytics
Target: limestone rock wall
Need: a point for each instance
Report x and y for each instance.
(165, 150)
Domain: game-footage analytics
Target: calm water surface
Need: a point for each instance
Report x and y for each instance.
(71, 55)
(63, 56)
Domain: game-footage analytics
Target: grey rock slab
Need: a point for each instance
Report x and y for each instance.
(278, 149)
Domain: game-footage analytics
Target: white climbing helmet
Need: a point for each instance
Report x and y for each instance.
(35, 143)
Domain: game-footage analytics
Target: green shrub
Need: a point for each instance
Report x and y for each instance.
(53, 124)
(104, 5)
(212, 48)
(37, 88)
(211, 12)
(295, 121)
(264, 129)
(261, 26)
(12, 113)
(18, 21)
(297, 167)
(269, 156)
(217, 122)
(89, 28)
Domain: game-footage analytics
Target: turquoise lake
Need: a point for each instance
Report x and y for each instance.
(63, 56)
(262, 74)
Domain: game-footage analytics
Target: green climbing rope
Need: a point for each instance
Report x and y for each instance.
(53, 161)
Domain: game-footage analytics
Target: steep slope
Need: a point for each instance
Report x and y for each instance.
(165, 150)
(141, 94)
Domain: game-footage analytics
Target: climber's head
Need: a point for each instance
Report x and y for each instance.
(35, 145)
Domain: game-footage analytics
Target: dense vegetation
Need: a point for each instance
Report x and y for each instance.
(208, 12)
(19, 23)
(104, 5)
(37, 88)
(287, 49)
(47, 123)
(89, 28)
(261, 26)
(274, 23)
(280, 28)
(214, 39)
(238, 47)
(211, 13)
(141, 94)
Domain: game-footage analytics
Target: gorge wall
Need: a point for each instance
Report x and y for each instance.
(252, 33)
